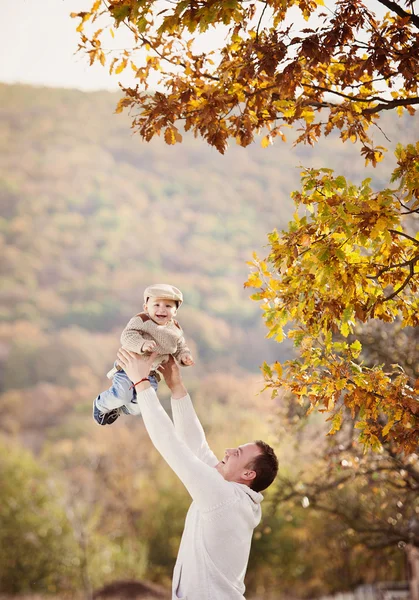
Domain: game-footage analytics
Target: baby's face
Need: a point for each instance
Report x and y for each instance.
(160, 310)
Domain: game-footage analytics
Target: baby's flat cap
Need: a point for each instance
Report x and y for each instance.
(163, 290)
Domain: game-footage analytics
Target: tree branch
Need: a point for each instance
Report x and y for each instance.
(260, 21)
(390, 267)
(389, 105)
(146, 41)
(400, 11)
(403, 234)
(322, 88)
(403, 285)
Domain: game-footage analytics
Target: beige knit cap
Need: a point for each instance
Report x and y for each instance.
(163, 290)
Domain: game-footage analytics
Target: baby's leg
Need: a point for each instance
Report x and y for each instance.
(132, 407)
(106, 407)
(153, 380)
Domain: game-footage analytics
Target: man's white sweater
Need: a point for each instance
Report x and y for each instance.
(215, 545)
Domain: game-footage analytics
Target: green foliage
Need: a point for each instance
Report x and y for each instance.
(38, 552)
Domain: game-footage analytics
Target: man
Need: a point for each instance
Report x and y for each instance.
(215, 545)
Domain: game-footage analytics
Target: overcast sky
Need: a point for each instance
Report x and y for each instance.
(37, 45)
(38, 40)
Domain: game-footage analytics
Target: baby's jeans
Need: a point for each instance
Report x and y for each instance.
(119, 395)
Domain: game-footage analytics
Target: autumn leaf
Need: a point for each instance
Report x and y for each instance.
(336, 423)
(122, 65)
(265, 141)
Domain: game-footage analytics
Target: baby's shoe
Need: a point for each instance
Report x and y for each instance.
(105, 418)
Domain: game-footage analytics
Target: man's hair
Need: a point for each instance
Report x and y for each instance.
(265, 465)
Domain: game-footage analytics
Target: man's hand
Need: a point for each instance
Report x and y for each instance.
(149, 346)
(171, 373)
(137, 367)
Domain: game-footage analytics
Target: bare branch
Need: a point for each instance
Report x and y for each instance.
(260, 21)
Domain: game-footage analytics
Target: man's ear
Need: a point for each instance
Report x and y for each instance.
(145, 307)
(249, 474)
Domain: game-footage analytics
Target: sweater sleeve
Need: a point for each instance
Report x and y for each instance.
(189, 429)
(131, 338)
(182, 349)
(206, 486)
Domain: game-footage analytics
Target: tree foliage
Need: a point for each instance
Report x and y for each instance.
(38, 550)
(349, 259)
(340, 72)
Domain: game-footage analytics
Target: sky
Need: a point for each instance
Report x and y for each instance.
(37, 44)
(38, 41)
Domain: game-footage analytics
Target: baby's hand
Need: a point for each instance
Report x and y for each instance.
(149, 346)
(187, 360)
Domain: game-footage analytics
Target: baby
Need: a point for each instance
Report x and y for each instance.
(153, 330)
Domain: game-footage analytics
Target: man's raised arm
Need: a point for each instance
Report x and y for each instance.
(206, 486)
(187, 425)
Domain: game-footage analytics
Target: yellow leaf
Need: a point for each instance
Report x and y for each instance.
(387, 428)
(278, 369)
(121, 66)
(114, 60)
(330, 403)
(336, 424)
(344, 329)
(356, 348)
(279, 336)
(254, 280)
(264, 267)
(265, 141)
(169, 136)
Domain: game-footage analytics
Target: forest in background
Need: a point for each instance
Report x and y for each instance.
(90, 215)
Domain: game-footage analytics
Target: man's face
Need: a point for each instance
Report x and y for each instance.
(233, 465)
(160, 310)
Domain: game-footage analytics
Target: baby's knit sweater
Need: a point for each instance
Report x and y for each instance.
(215, 545)
(169, 339)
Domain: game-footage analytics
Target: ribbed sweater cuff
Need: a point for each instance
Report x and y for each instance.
(148, 397)
(182, 405)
